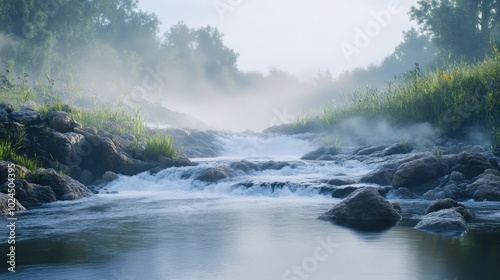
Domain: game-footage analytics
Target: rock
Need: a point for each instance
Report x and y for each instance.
(26, 117)
(68, 148)
(472, 164)
(343, 192)
(445, 221)
(214, 174)
(6, 107)
(86, 177)
(107, 157)
(434, 194)
(60, 121)
(340, 182)
(449, 203)
(370, 150)
(30, 194)
(364, 209)
(382, 175)
(244, 166)
(321, 152)
(125, 141)
(416, 172)
(396, 149)
(64, 187)
(182, 162)
(485, 187)
(273, 165)
(4, 116)
(19, 171)
(109, 176)
(4, 204)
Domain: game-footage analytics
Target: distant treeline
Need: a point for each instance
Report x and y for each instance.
(92, 42)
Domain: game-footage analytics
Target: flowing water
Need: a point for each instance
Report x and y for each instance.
(260, 225)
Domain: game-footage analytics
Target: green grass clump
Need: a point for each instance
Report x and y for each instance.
(9, 151)
(159, 144)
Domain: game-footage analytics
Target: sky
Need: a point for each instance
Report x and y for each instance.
(297, 36)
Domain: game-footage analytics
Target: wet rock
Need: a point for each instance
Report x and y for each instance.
(30, 194)
(472, 164)
(416, 172)
(370, 150)
(340, 182)
(60, 121)
(343, 192)
(4, 204)
(109, 176)
(485, 187)
(86, 177)
(382, 175)
(26, 117)
(244, 166)
(182, 162)
(449, 203)
(322, 152)
(214, 174)
(396, 149)
(364, 209)
(445, 221)
(64, 187)
(273, 165)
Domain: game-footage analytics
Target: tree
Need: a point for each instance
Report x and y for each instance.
(461, 28)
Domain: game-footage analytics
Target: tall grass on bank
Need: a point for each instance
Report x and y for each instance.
(448, 97)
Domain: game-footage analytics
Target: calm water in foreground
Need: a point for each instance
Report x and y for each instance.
(172, 227)
(150, 237)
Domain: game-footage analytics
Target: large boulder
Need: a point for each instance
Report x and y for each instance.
(4, 204)
(18, 170)
(364, 209)
(30, 194)
(60, 121)
(485, 187)
(64, 187)
(472, 164)
(445, 221)
(417, 172)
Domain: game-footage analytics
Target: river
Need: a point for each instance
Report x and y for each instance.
(261, 225)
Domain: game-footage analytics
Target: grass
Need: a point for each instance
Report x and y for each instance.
(450, 97)
(9, 151)
(159, 144)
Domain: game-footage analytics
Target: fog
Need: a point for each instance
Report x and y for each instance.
(300, 37)
(230, 65)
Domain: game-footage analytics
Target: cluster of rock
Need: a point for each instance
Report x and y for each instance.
(458, 173)
(62, 146)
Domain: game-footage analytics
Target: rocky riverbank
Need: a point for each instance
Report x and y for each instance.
(70, 157)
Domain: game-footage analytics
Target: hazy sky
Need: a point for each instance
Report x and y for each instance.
(299, 36)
